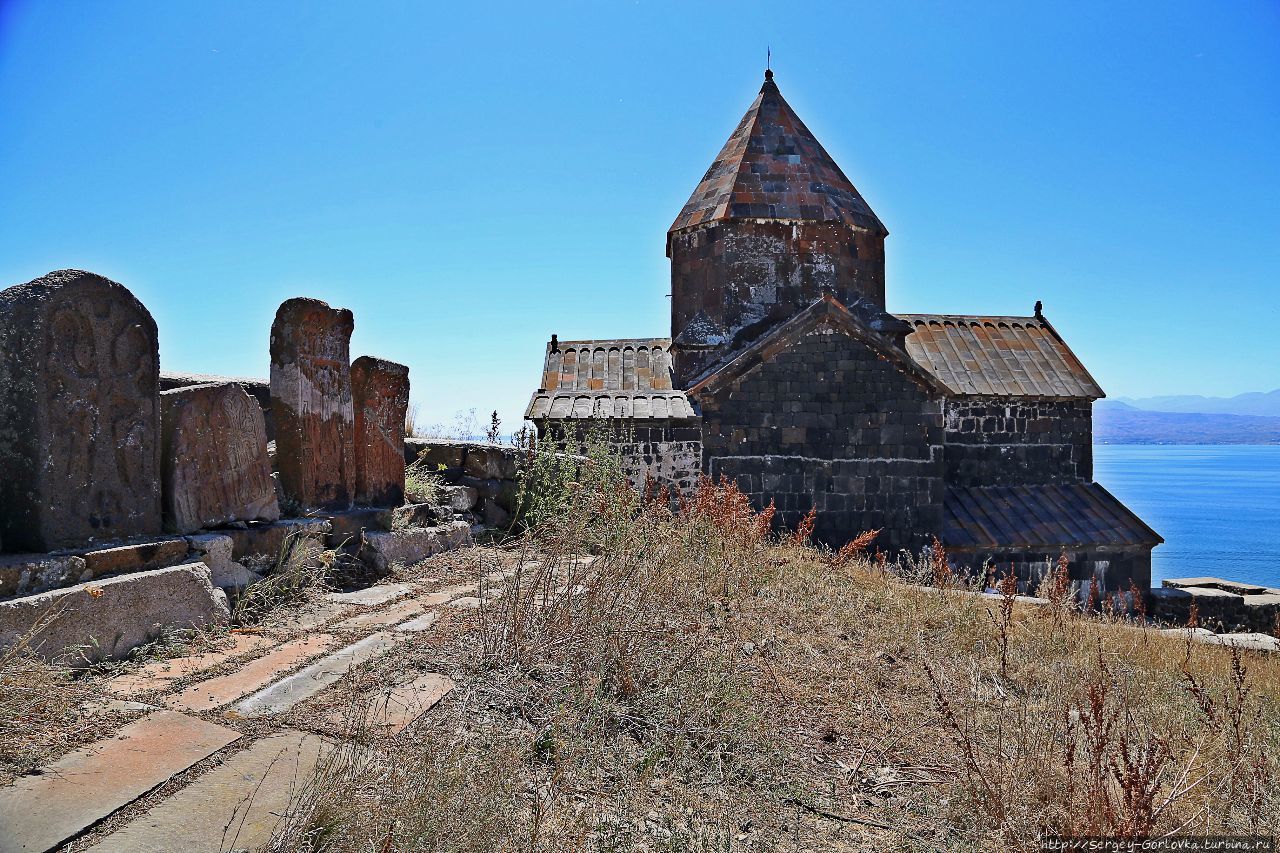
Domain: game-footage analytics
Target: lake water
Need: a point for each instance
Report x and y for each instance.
(1217, 506)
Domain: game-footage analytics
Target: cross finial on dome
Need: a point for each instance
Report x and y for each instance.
(768, 64)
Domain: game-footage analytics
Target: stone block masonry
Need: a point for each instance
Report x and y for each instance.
(1008, 441)
(380, 391)
(829, 423)
(311, 396)
(79, 414)
(214, 458)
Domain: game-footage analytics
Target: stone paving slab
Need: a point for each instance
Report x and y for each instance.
(393, 709)
(215, 692)
(393, 615)
(468, 602)
(310, 617)
(374, 595)
(38, 813)
(160, 674)
(234, 806)
(435, 599)
(422, 623)
(307, 682)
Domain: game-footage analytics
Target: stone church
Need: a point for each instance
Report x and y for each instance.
(785, 373)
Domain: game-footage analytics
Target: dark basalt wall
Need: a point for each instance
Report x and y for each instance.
(1007, 442)
(830, 423)
(743, 272)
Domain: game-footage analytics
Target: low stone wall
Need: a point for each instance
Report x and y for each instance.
(1220, 605)
(480, 477)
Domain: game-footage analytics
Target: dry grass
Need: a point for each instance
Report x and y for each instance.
(705, 684)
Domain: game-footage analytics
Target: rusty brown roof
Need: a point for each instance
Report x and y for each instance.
(625, 378)
(773, 167)
(1047, 517)
(998, 356)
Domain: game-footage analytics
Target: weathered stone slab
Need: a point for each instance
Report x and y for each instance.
(380, 391)
(259, 389)
(39, 812)
(235, 806)
(25, 574)
(1253, 641)
(491, 461)
(79, 414)
(307, 682)
(374, 595)
(138, 557)
(160, 674)
(393, 615)
(1236, 587)
(103, 620)
(389, 711)
(435, 454)
(266, 540)
(383, 549)
(311, 397)
(467, 602)
(309, 617)
(213, 462)
(420, 624)
(219, 691)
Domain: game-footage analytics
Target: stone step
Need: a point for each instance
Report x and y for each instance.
(372, 596)
(393, 615)
(39, 812)
(391, 710)
(224, 689)
(161, 674)
(307, 682)
(234, 806)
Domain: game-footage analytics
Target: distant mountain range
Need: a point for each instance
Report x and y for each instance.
(1252, 403)
(1252, 418)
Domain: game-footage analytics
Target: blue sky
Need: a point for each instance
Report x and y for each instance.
(469, 178)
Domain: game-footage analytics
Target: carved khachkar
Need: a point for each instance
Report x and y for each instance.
(381, 393)
(79, 413)
(214, 466)
(311, 400)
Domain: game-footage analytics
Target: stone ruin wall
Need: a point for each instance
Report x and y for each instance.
(105, 477)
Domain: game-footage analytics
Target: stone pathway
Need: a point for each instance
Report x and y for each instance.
(235, 798)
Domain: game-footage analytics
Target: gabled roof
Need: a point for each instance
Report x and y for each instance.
(1046, 517)
(998, 356)
(772, 167)
(628, 378)
(825, 311)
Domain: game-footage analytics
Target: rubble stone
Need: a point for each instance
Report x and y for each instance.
(382, 549)
(214, 467)
(265, 540)
(215, 551)
(79, 413)
(380, 392)
(311, 393)
(24, 574)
